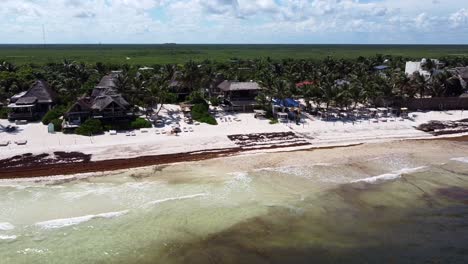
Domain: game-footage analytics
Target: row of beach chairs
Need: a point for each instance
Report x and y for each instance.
(184, 129)
(229, 119)
(17, 142)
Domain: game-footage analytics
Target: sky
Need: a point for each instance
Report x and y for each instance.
(235, 21)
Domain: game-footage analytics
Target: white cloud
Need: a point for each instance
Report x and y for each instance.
(199, 21)
(459, 18)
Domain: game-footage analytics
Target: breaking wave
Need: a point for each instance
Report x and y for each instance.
(6, 226)
(8, 238)
(461, 159)
(177, 198)
(389, 176)
(59, 223)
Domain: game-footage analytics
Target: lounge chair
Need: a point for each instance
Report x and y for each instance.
(4, 143)
(144, 130)
(190, 129)
(21, 142)
(21, 122)
(128, 134)
(185, 129)
(197, 123)
(132, 134)
(157, 132)
(163, 132)
(112, 132)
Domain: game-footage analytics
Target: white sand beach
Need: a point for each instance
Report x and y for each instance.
(205, 137)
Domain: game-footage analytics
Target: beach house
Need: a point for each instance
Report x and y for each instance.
(33, 103)
(104, 103)
(178, 87)
(423, 67)
(240, 96)
(462, 74)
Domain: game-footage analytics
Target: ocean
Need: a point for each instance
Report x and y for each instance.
(398, 202)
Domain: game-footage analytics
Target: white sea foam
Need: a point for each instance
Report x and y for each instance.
(59, 223)
(461, 159)
(389, 176)
(6, 226)
(295, 169)
(241, 176)
(177, 198)
(8, 237)
(33, 251)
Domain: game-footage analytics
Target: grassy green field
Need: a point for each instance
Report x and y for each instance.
(161, 54)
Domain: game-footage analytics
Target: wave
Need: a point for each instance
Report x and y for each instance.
(59, 223)
(461, 159)
(288, 169)
(177, 198)
(389, 176)
(27, 251)
(9, 238)
(241, 176)
(6, 226)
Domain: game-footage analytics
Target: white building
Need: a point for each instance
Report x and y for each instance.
(417, 66)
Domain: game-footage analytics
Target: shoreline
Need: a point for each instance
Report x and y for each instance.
(72, 168)
(58, 154)
(111, 165)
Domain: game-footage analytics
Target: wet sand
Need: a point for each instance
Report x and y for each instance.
(77, 163)
(63, 167)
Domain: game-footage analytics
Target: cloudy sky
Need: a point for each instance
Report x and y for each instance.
(235, 21)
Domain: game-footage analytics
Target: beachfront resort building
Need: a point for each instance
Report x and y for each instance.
(462, 74)
(178, 87)
(32, 104)
(420, 67)
(105, 103)
(240, 96)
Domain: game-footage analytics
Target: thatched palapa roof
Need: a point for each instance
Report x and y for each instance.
(29, 100)
(41, 91)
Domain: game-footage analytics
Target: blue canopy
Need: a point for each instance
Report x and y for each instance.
(288, 102)
(381, 67)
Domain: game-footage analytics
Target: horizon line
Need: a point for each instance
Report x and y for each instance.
(175, 43)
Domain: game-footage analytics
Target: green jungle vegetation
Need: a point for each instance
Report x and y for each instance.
(179, 54)
(343, 81)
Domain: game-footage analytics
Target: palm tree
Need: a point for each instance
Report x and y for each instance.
(8, 67)
(356, 92)
(123, 82)
(402, 85)
(137, 87)
(191, 75)
(168, 71)
(438, 84)
(157, 91)
(328, 89)
(420, 83)
(312, 92)
(266, 95)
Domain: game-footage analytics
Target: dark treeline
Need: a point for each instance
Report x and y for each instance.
(340, 83)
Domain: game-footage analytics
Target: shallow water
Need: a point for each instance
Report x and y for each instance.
(396, 202)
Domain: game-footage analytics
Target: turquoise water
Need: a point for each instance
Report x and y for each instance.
(401, 202)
